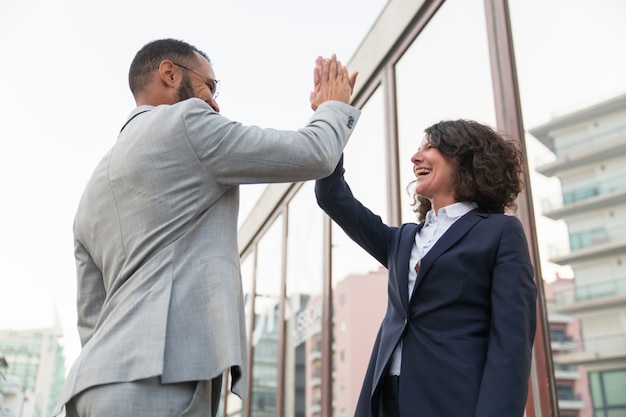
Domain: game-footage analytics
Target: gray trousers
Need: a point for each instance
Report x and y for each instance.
(148, 398)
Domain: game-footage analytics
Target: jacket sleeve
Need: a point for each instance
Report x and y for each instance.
(504, 384)
(360, 224)
(90, 293)
(237, 154)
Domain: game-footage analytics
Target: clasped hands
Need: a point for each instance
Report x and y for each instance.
(331, 82)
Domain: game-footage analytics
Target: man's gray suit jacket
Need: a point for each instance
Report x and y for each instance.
(159, 285)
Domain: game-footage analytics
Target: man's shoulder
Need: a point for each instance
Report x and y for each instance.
(194, 103)
(184, 106)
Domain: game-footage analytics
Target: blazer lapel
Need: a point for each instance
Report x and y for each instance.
(407, 239)
(449, 238)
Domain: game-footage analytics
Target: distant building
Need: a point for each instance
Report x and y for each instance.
(35, 371)
(590, 149)
(356, 319)
(571, 380)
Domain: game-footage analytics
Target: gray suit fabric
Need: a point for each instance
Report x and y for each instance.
(159, 285)
(147, 398)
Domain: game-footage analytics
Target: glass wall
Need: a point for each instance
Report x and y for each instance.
(233, 404)
(569, 55)
(445, 74)
(607, 390)
(570, 60)
(366, 173)
(359, 282)
(303, 304)
(267, 321)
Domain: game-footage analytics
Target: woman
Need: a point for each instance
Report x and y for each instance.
(457, 335)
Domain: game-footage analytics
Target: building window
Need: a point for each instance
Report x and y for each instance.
(607, 393)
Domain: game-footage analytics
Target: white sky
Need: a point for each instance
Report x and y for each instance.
(65, 97)
(65, 62)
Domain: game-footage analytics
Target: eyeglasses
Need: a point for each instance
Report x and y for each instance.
(214, 85)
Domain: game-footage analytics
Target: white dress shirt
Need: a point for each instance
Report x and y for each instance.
(434, 227)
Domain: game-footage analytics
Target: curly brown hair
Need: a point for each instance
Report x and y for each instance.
(490, 166)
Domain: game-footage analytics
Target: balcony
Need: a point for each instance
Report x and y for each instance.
(564, 372)
(601, 193)
(12, 386)
(562, 344)
(588, 149)
(589, 244)
(596, 295)
(594, 350)
(570, 402)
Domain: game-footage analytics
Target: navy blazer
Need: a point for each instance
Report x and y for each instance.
(468, 327)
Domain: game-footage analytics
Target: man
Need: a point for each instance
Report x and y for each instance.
(160, 303)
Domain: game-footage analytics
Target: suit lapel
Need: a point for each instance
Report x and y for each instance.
(407, 239)
(449, 238)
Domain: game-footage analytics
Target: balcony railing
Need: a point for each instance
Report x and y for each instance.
(586, 142)
(596, 290)
(588, 239)
(569, 396)
(584, 191)
(603, 344)
(562, 343)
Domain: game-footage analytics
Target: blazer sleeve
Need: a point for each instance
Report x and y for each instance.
(360, 224)
(90, 292)
(237, 154)
(504, 385)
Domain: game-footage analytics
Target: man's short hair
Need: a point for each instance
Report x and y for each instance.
(150, 56)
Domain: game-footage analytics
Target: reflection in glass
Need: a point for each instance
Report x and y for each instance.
(234, 405)
(303, 304)
(445, 74)
(571, 70)
(359, 282)
(266, 322)
(366, 172)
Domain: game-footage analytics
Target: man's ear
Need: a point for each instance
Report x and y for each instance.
(167, 72)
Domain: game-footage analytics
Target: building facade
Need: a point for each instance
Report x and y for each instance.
(590, 149)
(571, 380)
(35, 371)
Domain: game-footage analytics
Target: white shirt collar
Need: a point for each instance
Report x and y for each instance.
(452, 211)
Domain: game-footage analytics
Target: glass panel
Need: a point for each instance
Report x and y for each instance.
(234, 405)
(615, 388)
(366, 173)
(595, 387)
(444, 75)
(566, 65)
(359, 282)
(266, 321)
(572, 89)
(303, 309)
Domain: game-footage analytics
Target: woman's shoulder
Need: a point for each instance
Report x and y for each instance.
(503, 219)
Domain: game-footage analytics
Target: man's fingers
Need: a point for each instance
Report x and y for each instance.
(325, 71)
(333, 68)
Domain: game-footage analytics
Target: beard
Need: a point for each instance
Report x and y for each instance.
(185, 90)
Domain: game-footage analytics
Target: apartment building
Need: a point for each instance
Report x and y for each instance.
(590, 149)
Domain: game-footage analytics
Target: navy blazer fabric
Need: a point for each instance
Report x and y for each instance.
(467, 329)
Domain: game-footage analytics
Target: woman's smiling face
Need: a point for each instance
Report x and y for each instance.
(435, 175)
